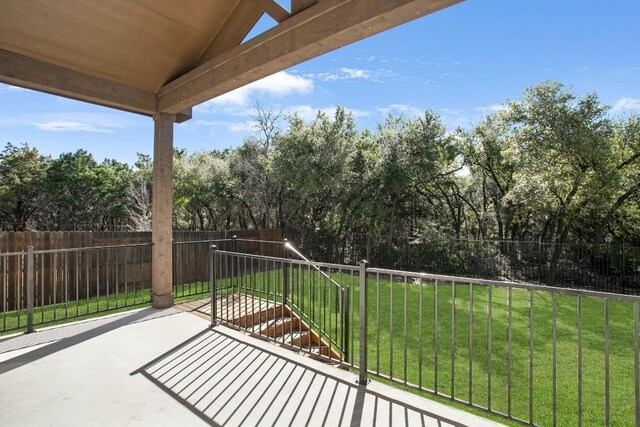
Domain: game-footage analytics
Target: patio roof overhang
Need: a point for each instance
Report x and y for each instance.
(161, 58)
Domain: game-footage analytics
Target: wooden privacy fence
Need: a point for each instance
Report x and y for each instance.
(78, 265)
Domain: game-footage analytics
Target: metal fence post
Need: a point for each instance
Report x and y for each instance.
(212, 284)
(30, 266)
(362, 378)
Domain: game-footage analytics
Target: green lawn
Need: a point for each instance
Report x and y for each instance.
(387, 333)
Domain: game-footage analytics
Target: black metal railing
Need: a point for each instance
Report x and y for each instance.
(49, 286)
(311, 291)
(533, 354)
(611, 267)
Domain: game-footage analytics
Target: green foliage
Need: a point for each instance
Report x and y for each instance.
(552, 167)
(22, 173)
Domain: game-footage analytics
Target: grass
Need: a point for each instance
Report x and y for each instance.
(87, 308)
(468, 340)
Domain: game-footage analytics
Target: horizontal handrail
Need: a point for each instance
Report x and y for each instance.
(260, 241)
(505, 284)
(186, 242)
(293, 261)
(92, 248)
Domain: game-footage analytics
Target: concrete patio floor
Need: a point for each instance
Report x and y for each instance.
(166, 367)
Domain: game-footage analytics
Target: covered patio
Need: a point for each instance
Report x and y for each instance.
(161, 58)
(168, 367)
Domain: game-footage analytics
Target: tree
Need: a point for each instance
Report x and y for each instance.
(72, 183)
(21, 186)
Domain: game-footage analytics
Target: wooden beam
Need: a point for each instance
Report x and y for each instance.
(184, 115)
(298, 6)
(273, 9)
(241, 20)
(19, 70)
(326, 26)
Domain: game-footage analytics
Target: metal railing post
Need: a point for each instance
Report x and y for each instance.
(362, 378)
(30, 266)
(345, 324)
(285, 274)
(212, 284)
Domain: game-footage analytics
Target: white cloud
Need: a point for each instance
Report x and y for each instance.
(355, 73)
(454, 118)
(241, 126)
(55, 126)
(491, 108)
(17, 89)
(345, 73)
(402, 109)
(279, 85)
(9, 88)
(75, 122)
(626, 104)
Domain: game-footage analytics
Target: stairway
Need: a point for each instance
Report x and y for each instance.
(266, 319)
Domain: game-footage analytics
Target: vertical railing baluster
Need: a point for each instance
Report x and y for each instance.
(420, 334)
(362, 379)
(378, 323)
(435, 338)
(30, 289)
(470, 342)
(606, 363)
(352, 307)
(579, 360)
(453, 338)
(212, 285)
(489, 339)
(554, 374)
(390, 326)
(509, 304)
(311, 305)
(405, 329)
(107, 273)
(66, 285)
(78, 279)
(55, 286)
(636, 365)
(117, 283)
(531, 355)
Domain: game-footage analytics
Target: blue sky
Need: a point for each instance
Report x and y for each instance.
(461, 62)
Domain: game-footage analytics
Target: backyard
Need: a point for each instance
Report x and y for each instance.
(402, 315)
(451, 359)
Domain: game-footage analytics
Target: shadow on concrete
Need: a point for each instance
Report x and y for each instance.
(227, 381)
(65, 336)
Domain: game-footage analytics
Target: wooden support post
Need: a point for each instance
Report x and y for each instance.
(162, 227)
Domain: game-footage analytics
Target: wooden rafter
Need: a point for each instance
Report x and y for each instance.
(241, 20)
(298, 6)
(273, 9)
(321, 28)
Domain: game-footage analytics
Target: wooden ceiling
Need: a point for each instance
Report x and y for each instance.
(141, 43)
(147, 56)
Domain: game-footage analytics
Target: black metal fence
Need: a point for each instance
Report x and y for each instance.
(613, 267)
